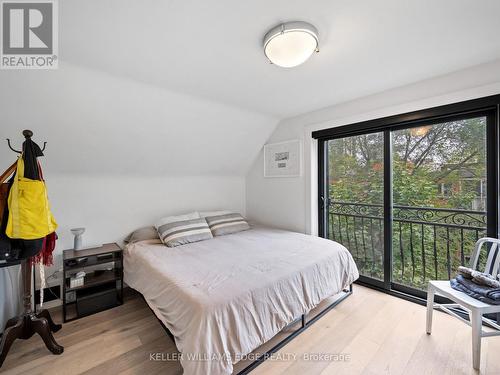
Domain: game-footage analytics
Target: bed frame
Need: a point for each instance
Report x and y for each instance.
(304, 325)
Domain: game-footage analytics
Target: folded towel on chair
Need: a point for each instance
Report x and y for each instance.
(462, 288)
(465, 272)
(482, 290)
(480, 278)
(485, 279)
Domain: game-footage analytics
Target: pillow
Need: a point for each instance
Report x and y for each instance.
(221, 225)
(173, 219)
(142, 234)
(214, 213)
(183, 232)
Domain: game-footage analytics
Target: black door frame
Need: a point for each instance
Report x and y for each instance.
(488, 107)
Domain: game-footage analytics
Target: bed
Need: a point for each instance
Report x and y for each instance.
(222, 298)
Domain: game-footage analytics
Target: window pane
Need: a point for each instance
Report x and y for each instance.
(356, 191)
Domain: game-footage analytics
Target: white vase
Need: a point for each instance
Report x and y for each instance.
(78, 233)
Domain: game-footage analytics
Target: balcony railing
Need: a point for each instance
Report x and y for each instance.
(428, 243)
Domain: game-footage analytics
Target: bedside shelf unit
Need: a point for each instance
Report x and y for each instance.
(103, 283)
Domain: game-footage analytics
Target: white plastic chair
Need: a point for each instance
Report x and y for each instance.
(475, 308)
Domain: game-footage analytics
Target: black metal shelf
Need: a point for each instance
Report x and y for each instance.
(91, 279)
(102, 288)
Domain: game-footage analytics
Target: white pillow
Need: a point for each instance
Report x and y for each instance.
(214, 213)
(174, 219)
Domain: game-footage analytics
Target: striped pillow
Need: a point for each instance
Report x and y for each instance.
(184, 232)
(226, 224)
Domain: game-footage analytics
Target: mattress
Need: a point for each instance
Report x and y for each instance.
(222, 298)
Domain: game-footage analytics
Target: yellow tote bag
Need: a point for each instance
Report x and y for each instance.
(29, 212)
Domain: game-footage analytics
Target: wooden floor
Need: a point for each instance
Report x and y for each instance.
(373, 332)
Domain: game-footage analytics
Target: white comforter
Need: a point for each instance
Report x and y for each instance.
(224, 297)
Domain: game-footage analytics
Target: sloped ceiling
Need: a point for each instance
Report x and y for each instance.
(182, 87)
(213, 48)
(96, 123)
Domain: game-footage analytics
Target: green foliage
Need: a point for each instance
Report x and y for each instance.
(437, 166)
(413, 187)
(450, 155)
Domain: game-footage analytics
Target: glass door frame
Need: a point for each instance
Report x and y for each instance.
(488, 107)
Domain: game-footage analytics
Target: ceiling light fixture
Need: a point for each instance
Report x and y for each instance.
(291, 43)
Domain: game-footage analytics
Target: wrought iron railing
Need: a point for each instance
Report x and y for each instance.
(428, 243)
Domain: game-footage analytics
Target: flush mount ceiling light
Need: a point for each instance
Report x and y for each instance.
(291, 43)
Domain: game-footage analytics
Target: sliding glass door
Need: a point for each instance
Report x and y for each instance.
(439, 192)
(410, 200)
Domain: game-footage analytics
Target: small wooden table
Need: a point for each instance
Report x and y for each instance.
(103, 283)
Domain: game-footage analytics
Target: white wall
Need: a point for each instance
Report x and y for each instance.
(112, 206)
(291, 203)
(121, 153)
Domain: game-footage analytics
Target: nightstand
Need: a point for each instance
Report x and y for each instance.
(102, 286)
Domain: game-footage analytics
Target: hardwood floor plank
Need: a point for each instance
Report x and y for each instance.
(35, 349)
(327, 336)
(135, 357)
(380, 334)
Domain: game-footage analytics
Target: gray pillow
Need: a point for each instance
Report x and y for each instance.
(221, 225)
(142, 234)
(184, 232)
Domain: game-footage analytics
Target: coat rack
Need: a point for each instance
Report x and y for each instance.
(28, 323)
(27, 134)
